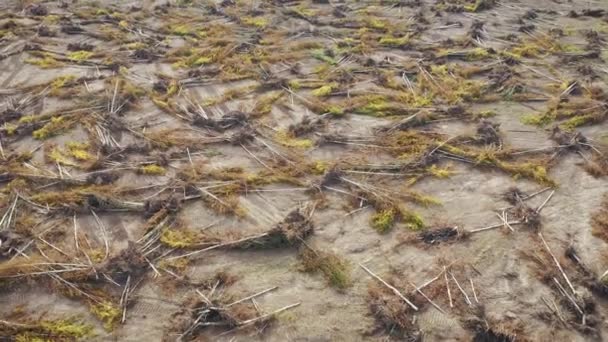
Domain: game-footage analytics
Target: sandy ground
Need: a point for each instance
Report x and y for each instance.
(508, 288)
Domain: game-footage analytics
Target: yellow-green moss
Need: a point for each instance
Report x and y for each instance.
(540, 119)
(324, 90)
(524, 50)
(78, 150)
(319, 167)
(286, 139)
(265, 103)
(179, 238)
(57, 156)
(259, 22)
(152, 169)
(439, 172)
(376, 105)
(530, 170)
(477, 53)
(60, 82)
(56, 124)
(10, 129)
(46, 62)
(294, 84)
(108, 313)
(334, 110)
(394, 41)
(68, 328)
(412, 221)
(180, 29)
(579, 120)
(377, 24)
(383, 220)
(80, 55)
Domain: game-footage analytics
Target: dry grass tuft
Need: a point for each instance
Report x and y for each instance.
(334, 268)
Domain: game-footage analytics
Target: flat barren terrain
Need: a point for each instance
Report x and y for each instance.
(318, 170)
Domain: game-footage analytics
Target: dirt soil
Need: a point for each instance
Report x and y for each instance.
(205, 170)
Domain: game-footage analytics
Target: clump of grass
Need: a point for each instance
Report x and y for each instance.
(56, 125)
(180, 238)
(540, 119)
(107, 312)
(449, 88)
(46, 330)
(79, 151)
(480, 5)
(334, 269)
(439, 172)
(531, 169)
(303, 12)
(324, 90)
(55, 155)
(381, 105)
(324, 57)
(135, 46)
(68, 327)
(394, 41)
(324, 107)
(74, 198)
(152, 169)
(191, 57)
(412, 220)
(378, 24)
(477, 54)
(599, 221)
(264, 105)
(384, 220)
(180, 29)
(407, 144)
(484, 114)
(79, 56)
(61, 82)
(582, 120)
(259, 22)
(319, 167)
(286, 138)
(421, 199)
(46, 62)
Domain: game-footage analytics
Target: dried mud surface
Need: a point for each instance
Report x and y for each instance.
(408, 170)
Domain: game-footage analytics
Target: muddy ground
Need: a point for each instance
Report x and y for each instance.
(163, 163)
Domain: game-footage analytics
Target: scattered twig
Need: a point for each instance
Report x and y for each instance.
(392, 288)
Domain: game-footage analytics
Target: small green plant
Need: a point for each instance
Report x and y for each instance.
(322, 56)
